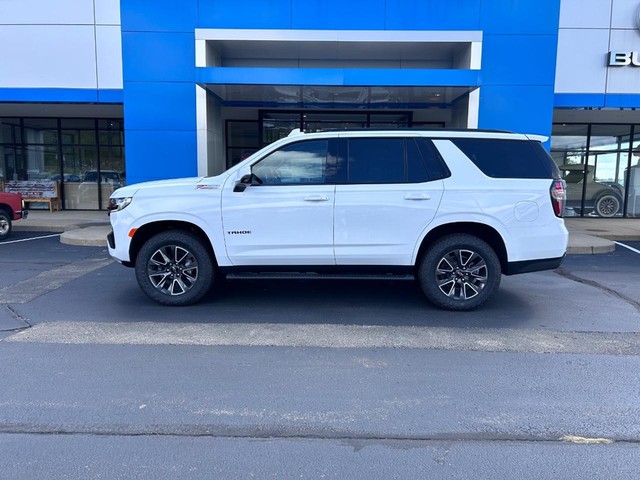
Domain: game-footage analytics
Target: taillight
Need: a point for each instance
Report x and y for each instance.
(558, 192)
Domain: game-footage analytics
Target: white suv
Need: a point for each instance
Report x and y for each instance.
(455, 208)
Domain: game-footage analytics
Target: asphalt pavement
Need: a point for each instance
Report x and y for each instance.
(315, 378)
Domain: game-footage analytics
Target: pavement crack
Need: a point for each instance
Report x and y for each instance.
(356, 440)
(18, 317)
(592, 283)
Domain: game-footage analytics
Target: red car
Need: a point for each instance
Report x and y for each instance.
(11, 208)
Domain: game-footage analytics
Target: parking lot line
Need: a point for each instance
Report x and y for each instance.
(50, 280)
(29, 239)
(635, 250)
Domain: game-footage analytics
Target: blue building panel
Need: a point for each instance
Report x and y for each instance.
(158, 56)
(521, 17)
(160, 105)
(160, 154)
(523, 109)
(274, 14)
(432, 15)
(338, 76)
(516, 78)
(519, 59)
(622, 101)
(338, 15)
(158, 15)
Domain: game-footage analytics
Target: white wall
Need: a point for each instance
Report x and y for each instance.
(589, 29)
(60, 44)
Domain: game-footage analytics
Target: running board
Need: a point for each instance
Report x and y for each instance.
(316, 276)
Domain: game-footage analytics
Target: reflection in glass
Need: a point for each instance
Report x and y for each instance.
(299, 163)
(593, 166)
(569, 137)
(41, 130)
(65, 150)
(10, 130)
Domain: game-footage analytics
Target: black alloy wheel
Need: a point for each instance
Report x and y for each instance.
(459, 272)
(174, 268)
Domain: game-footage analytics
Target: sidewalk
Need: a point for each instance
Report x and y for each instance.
(90, 228)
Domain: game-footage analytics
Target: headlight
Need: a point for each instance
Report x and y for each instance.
(117, 204)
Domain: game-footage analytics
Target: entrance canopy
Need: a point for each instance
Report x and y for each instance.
(331, 96)
(338, 68)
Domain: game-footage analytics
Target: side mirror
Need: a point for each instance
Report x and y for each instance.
(244, 182)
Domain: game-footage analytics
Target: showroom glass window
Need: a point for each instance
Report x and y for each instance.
(85, 155)
(594, 160)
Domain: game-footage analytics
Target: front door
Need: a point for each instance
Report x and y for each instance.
(285, 216)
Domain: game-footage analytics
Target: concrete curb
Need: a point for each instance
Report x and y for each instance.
(94, 236)
(582, 244)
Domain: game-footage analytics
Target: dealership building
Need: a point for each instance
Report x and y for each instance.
(96, 93)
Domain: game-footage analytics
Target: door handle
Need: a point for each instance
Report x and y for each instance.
(417, 196)
(316, 198)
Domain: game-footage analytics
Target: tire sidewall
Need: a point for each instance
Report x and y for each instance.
(189, 242)
(602, 197)
(432, 257)
(7, 218)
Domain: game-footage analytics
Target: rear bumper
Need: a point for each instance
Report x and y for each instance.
(526, 266)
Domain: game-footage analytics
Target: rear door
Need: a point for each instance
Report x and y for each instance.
(387, 201)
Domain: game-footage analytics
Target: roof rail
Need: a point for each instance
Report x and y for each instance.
(410, 129)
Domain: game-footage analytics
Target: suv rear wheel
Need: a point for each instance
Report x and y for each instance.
(459, 272)
(174, 268)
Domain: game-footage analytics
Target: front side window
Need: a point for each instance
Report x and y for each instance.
(301, 163)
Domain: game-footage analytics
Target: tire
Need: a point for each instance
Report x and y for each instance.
(459, 272)
(608, 205)
(174, 268)
(5, 225)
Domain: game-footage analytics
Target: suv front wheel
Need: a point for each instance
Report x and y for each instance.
(174, 268)
(459, 272)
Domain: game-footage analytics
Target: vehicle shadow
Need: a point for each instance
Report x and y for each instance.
(344, 302)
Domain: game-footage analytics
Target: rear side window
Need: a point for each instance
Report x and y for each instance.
(390, 160)
(376, 160)
(508, 158)
(435, 164)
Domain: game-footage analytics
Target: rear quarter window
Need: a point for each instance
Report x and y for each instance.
(508, 158)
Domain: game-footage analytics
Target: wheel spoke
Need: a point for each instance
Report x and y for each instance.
(443, 268)
(172, 270)
(465, 287)
(466, 254)
(162, 260)
(181, 257)
(461, 274)
(448, 287)
(162, 275)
